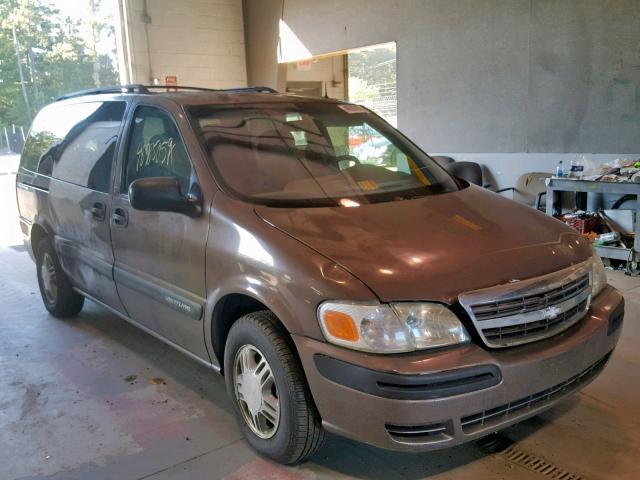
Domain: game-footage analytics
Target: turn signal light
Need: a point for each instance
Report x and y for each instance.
(340, 325)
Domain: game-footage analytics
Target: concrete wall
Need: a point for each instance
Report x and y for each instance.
(199, 41)
(329, 71)
(484, 77)
(261, 34)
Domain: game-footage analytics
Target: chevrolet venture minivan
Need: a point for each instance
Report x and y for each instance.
(336, 275)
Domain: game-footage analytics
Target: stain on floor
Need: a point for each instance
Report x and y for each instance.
(93, 397)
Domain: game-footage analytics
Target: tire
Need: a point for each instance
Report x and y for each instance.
(61, 300)
(633, 269)
(298, 433)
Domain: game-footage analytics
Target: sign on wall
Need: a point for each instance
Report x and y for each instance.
(171, 81)
(304, 65)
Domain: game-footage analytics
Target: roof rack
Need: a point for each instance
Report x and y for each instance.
(250, 90)
(132, 88)
(146, 89)
(203, 89)
(173, 88)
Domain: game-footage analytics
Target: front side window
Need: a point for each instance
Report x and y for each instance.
(156, 149)
(315, 154)
(75, 143)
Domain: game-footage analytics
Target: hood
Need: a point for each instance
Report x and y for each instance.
(436, 247)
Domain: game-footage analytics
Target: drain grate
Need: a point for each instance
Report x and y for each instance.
(501, 444)
(537, 464)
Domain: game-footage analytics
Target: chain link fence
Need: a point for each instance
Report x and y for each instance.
(12, 138)
(372, 80)
(386, 103)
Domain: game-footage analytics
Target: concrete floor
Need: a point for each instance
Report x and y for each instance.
(9, 231)
(93, 397)
(70, 408)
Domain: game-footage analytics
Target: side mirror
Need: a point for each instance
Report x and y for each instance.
(162, 194)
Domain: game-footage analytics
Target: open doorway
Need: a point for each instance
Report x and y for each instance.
(366, 76)
(371, 80)
(318, 77)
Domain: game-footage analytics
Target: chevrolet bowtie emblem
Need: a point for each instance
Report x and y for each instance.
(550, 313)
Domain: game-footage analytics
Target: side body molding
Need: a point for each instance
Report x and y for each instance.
(171, 296)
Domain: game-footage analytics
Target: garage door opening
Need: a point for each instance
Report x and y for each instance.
(366, 76)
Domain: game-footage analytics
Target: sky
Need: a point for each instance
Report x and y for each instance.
(79, 9)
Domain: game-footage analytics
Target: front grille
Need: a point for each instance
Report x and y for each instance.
(529, 310)
(530, 303)
(488, 418)
(523, 330)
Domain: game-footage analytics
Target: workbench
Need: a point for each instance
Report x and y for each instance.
(555, 185)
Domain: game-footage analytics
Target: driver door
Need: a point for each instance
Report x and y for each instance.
(159, 264)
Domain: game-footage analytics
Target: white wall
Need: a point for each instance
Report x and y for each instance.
(515, 83)
(199, 41)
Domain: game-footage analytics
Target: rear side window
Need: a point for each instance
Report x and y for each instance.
(156, 149)
(75, 142)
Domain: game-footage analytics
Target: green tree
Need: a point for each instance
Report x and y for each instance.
(374, 66)
(52, 54)
(372, 80)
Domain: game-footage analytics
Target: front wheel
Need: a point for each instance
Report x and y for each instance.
(267, 387)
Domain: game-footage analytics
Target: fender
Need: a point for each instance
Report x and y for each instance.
(247, 256)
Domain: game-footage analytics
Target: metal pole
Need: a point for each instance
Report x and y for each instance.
(147, 20)
(22, 133)
(34, 75)
(21, 74)
(636, 241)
(6, 136)
(93, 40)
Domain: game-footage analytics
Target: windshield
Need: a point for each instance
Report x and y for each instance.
(314, 154)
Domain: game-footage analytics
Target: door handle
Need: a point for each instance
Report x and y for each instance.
(98, 211)
(120, 218)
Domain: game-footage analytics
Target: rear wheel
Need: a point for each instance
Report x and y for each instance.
(58, 296)
(267, 387)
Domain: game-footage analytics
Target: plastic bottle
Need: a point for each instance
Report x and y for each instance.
(580, 163)
(560, 170)
(576, 170)
(605, 238)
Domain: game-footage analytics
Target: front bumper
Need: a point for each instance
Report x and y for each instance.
(465, 393)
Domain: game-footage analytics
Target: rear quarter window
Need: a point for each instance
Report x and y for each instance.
(75, 142)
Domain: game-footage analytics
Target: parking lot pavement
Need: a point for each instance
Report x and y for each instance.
(9, 228)
(9, 164)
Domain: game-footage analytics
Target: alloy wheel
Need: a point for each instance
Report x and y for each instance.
(256, 391)
(48, 275)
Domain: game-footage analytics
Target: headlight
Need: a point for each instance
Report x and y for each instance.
(598, 275)
(398, 327)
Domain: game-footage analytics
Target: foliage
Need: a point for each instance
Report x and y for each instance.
(372, 80)
(374, 66)
(360, 91)
(55, 57)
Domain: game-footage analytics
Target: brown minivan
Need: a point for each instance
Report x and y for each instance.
(339, 278)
